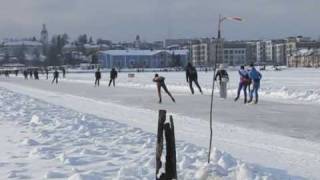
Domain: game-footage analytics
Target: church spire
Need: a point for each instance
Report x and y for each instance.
(44, 37)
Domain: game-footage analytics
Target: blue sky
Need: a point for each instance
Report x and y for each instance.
(122, 20)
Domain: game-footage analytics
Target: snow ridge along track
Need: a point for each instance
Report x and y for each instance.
(55, 142)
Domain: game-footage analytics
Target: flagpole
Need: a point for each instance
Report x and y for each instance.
(213, 84)
(218, 45)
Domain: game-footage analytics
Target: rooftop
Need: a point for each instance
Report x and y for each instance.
(18, 43)
(133, 52)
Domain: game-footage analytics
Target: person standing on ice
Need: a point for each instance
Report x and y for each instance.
(25, 74)
(55, 76)
(223, 80)
(113, 76)
(256, 77)
(36, 74)
(47, 73)
(243, 84)
(63, 72)
(98, 77)
(30, 73)
(161, 84)
(192, 76)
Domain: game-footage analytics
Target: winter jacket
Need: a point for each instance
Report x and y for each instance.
(191, 73)
(255, 75)
(113, 74)
(98, 75)
(56, 74)
(221, 74)
(244, 76)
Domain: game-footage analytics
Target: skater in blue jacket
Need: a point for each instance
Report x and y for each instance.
(255, 76)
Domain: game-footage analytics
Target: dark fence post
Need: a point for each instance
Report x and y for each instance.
(170, 164)
(161, 120)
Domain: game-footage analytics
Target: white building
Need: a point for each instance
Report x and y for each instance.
(235, 53)
(279, 54)
(201, 54)
(143, 58)
(304, 58)
(28, 47)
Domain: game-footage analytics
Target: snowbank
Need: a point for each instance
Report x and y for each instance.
(81, 146)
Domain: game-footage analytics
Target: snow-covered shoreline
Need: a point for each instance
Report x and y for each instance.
(74, 145)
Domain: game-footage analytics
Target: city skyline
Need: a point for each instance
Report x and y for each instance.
(157, 20)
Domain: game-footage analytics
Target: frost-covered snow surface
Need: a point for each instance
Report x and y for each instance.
(47, 141)
(74, 130)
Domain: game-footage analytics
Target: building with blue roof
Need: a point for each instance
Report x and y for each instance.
(143, 58)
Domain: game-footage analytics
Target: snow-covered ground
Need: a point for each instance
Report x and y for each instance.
(43, 141)
(73, 130)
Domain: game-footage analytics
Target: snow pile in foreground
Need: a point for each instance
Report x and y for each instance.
(57, 143)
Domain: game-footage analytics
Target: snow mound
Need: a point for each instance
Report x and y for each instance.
(35, 121)
(309, 95)
(224, 166)
(87, 176)
(12, 174)
(54, 175)
(29, 142)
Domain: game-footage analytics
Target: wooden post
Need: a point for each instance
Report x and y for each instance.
(161, 120)
(171, 169)
(170, 164)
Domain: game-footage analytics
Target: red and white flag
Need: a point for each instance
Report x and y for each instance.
(234, 18)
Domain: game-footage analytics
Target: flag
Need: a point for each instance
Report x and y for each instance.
(234, 18)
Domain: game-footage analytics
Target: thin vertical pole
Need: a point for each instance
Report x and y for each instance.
(213, 85)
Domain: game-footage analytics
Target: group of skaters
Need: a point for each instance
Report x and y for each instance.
(113, 77)
(248, 77)
(249, 80)
(34, 74)
(31, 74)
(7, 73)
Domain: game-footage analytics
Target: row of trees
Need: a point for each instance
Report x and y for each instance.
(56, 56)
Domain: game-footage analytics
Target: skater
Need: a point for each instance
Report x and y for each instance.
(223, 80)
(160, 83)
(63, 73)
(255, 76)
(16, 72)
(25, 74)
(113, 76)
(6, 73)
(98, 77)
(192, 76)
(36, 74)
(30, 73)
(243, 84)
(55, 76)
(47, 73)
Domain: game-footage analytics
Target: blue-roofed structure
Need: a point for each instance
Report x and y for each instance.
(143, 58)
